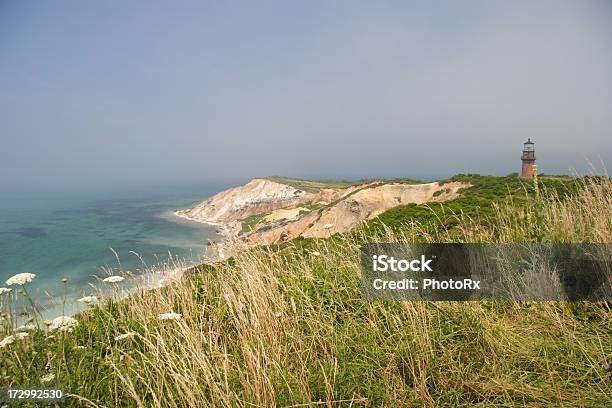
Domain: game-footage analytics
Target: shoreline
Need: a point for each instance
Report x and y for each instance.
(155, 277)
(151, 278)
(221, 228)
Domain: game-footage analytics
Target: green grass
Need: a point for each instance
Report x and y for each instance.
(476, 202)
(406, 180)
(249, 223)
(286, 325)
(314, 185)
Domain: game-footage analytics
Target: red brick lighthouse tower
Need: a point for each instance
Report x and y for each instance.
(528, 159)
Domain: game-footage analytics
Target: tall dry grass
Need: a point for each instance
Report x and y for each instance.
(287, 327)
(586, 217)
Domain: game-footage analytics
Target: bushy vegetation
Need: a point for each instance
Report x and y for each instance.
(476, 205)
(250, 222)
(286, 326)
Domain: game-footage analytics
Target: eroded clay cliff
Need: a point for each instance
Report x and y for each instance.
(280, 212)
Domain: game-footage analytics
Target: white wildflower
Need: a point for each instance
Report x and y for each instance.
(47, 378)
(20, 279)
(79, 347)
(27, 327)
(4, 290)
(63, 323)
(6, 341)
(125, 336)
(113, 279)
(170, 316)
(47, 322)
(88, 299)
(21, 335)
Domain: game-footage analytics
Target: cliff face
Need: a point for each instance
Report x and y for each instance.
(354, 209)
(283, 212)
(256, 197)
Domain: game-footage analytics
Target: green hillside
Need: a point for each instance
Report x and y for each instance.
(286, 325)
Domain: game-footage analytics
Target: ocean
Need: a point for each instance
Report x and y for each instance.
(72, 234)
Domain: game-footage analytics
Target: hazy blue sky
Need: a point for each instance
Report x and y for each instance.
(144, 92)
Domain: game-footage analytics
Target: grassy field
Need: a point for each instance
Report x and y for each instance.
(286, 326)
(477, 202)
(315, 185)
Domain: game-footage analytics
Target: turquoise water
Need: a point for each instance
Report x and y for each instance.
(70, 234)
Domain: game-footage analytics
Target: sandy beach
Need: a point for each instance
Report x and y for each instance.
(177, 216)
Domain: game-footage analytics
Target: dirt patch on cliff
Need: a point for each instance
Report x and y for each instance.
(285, 214)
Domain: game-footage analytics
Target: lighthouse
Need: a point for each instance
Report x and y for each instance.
(528, 159)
